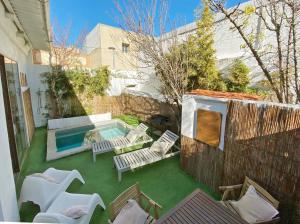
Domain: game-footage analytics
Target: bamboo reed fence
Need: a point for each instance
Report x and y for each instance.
(143, 107)
(202, 161)
(262, 141)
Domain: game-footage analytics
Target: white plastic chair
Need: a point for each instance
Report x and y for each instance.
(66, 200)
(43, 192)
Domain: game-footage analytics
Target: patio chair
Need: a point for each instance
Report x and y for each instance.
(42, 192)
(231, 193)
(135, 137)
(56, 213)
(142, 199)
(145, 156)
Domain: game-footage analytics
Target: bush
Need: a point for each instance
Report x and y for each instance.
(75, 84)
(83, 83)
(98, 83)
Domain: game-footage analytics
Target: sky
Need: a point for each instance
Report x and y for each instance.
(86, 14)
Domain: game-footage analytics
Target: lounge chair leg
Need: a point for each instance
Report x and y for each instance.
(119, 176)
(94, 157)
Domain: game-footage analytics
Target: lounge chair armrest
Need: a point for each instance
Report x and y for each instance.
(229, 191)
(274, 220)
(232, 187)
(150, 200)
(151, 204)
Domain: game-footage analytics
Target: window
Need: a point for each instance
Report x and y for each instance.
(209, 127)
(125, 48)
(14, 113)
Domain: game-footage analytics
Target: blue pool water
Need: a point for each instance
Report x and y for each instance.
(76, 137)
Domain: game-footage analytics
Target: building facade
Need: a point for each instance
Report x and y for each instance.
(23, 27)
(109, 46)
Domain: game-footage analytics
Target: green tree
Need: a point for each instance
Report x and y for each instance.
(238, 78)
(201, 54)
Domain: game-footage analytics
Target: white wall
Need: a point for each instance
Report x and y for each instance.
(35, 82)
(1, 214)
(92, 40)
(12, 47)
(146, 84)
(8, 198)
(227, 43)
(192, 103)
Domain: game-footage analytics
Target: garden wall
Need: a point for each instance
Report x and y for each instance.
(143, 107)
(262, 141)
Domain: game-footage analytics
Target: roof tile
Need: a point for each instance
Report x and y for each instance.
(225, 95)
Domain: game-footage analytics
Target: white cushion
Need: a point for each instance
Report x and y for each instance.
(131, 213)
(159, 147)
(76, 211)
(254, 208)
(45, 177)
(132, 135)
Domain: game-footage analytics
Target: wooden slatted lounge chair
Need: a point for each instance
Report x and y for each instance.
(142, 199)
(231, 193)
(135, 137)
(142, 157)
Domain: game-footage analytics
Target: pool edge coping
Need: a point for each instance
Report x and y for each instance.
(51, 151)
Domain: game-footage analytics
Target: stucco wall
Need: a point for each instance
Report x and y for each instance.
(8, 199)
(12, 47)
(97, 45)
(36, 84)
(192, 103)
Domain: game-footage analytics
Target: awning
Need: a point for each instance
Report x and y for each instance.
(32, 21)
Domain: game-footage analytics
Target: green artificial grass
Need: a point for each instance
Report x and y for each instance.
(129, 119)
(163, 181)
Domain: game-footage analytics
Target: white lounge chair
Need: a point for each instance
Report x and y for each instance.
(64, 201)
(142, 157)
(43, 192)
(135, 137)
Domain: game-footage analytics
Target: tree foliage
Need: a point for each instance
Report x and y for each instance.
(273, 41)
(99, 82)
(238, 77)
(201, 54)
(75, 83)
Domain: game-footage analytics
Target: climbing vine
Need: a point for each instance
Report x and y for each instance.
(75, 84)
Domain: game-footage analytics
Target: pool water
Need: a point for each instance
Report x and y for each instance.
(112, 132)
(76, 137)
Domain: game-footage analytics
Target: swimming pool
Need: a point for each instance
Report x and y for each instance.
(79, 136)
(70, 140)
